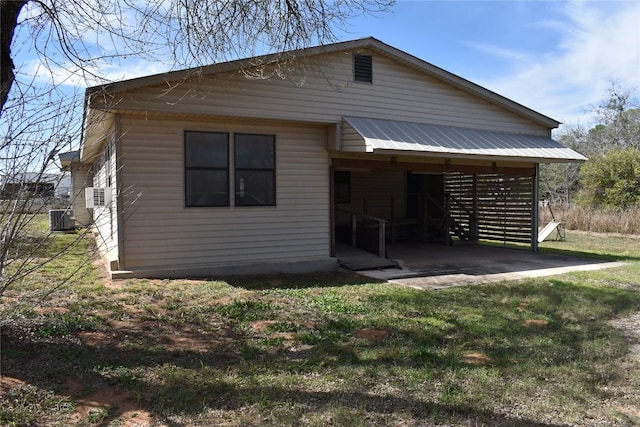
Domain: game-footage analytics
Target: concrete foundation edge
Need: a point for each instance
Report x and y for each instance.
(285, 267)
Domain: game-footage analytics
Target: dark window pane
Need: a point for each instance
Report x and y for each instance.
(343, 186)
(206, 149)
(206, 188)
(255, 188)
(254, 151)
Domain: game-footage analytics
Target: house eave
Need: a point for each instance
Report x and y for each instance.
(474, 157)
(95, 133)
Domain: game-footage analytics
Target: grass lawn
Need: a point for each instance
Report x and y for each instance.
(327, 349)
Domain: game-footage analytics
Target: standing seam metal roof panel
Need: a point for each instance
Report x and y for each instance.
(423, 138)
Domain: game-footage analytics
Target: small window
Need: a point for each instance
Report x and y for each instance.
(206, 168)
(342, 182)
(107, 160)
(255, 170)
(363, 68)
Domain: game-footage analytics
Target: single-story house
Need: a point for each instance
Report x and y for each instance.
(271, 163)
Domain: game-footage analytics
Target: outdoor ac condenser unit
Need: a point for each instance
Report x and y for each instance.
(61, 220)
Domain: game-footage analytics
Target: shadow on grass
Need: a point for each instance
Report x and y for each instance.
(299, 281)
(190, 389)
(573, 253)
(589, 255)
(427, 331)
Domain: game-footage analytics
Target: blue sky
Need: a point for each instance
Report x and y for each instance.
(556, 57)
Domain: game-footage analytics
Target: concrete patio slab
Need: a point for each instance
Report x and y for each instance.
(356, 259)
(436, 267)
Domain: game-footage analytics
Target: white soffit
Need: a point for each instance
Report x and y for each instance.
(391, 136)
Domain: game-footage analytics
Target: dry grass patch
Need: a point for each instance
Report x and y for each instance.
(475, 358)
(616, 221)
(538, 323)
(372, 334)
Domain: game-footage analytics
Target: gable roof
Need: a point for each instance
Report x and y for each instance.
(369, 43)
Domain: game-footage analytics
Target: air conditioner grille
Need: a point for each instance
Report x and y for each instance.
(97, 197)
(61, 220)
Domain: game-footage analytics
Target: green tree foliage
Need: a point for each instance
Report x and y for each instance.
(612, 179)
(614, 139)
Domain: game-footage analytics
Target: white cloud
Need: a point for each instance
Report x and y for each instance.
(105, 37)
(497, 51)
(95, 73)
(596, 45)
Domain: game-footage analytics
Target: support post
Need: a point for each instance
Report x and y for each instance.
(381, 240)
(332, 210)
(535, 209)
(354, 231)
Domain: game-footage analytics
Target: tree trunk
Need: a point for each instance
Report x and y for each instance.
(9, 11)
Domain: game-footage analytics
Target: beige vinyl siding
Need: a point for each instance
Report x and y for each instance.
(397, 93)
(105, 219)
(80, 179)
(160, 232)
(377, 191)
(351, 140)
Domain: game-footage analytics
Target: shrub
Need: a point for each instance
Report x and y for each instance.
(612, 180)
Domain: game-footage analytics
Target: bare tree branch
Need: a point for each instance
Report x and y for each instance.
(73, 43)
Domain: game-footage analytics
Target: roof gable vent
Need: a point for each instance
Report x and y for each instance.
(363, 68)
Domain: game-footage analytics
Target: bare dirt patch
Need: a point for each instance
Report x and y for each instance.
(51, 310)
(7, 383)
(629, 411)
(94, 339)
(475, 358)
(372, 334)
(106, 404)
(536, 323)
(184, 339)
(261, 325)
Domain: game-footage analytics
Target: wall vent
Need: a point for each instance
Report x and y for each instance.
(363, 68)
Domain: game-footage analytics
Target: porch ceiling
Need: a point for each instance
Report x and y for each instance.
(421, 139)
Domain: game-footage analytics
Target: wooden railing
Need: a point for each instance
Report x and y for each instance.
(363, 232)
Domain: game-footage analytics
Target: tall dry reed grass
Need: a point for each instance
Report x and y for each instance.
(625, 221)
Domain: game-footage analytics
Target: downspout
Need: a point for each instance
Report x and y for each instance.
(535, 209)
(332, 209)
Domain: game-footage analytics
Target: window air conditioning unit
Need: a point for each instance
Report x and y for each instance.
(61, 220)
(97, 197)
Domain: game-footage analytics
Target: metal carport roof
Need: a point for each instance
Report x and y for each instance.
(410, 138)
